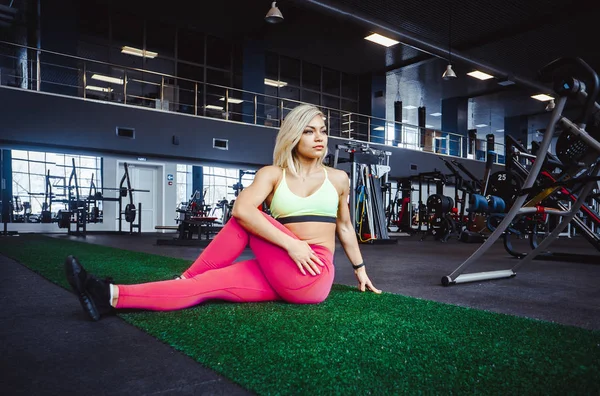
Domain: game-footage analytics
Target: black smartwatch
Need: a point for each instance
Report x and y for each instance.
(358, 266)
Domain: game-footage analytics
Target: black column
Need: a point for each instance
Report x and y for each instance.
(421, 123)
(455, 120)
(517, 128)
(6, 185)
(398, 119)
(472, 141)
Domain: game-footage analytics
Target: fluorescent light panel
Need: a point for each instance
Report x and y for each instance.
(542, 97)
(404, 121)
(481, 125)
(213, 107)
(275, 83)
(99, 89)
(138, 52)
(381, 40)
(428, 126)
(409, 107)
(480, 75)
(232, 100)
(113, 80)
(379, 128)
(499, 130)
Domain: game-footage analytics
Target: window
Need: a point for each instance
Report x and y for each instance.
(127, 30)
(308, 83)
(331, 82)
(349, 86)
(311, 76)
(290, 71)
(184, 183)
(190, 46)
(272, 66)
(32, 170)
(160, 38)
(311, 97)
(218, 183)
(94, 22)
(218, 52)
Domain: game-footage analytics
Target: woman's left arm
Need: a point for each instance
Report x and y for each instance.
(347, 235)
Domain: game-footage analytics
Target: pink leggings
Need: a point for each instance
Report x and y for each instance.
(272, 275)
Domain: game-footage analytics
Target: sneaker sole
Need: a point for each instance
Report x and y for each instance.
(72, 269)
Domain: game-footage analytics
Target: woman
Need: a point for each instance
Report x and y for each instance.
(293, 249)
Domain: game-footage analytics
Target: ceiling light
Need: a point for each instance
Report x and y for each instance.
(481, 125)
(435, 114)
(409, 107)
(381, 40)
(274, 15)
(480, 75)
(428, 126)
(99, 89)
(499, 130)
(138, 52)
(213, 107)
(102, 77)
(448, 73)
(275, 83)
(232, 100)
(404, 121)
(379, 128)
(542, 97)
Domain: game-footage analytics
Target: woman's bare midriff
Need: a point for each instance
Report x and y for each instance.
(315, 233)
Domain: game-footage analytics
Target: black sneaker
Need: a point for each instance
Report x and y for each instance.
(93, 293)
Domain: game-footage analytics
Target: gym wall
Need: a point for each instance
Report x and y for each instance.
(37, 120)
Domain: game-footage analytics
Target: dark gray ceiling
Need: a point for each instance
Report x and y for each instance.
(514, 37)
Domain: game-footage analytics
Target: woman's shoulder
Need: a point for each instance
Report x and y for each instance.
(337, 173)
(337, 176)
(269, 172)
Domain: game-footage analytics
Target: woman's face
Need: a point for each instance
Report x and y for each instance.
(313, 143)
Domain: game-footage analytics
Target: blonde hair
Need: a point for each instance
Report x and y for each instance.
(290, 133)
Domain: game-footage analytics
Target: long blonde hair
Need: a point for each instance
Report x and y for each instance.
(292, 128)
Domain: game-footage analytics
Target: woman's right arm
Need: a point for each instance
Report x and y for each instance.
(246, 212)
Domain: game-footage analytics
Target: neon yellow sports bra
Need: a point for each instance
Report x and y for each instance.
(322, 205)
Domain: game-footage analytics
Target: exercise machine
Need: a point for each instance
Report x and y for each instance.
(368, 174)
(577, 146)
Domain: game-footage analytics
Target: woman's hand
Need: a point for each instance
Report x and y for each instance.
(364, 282)
(305, 258)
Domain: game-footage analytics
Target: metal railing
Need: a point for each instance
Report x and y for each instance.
(49, 71)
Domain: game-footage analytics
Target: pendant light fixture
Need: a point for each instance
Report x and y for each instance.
(274, 15)
(449, 73)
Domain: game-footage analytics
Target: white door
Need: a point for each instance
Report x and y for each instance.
(144, 177)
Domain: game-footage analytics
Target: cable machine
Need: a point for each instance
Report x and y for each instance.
(367, 208)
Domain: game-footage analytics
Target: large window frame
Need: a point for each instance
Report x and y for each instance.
(300, 90)
(30, 171)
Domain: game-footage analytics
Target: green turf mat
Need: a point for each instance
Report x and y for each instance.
(352, 343)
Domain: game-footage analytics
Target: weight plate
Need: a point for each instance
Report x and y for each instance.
(505, 187)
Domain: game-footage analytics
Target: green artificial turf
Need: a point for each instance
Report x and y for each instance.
(353, 343)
